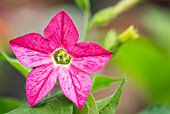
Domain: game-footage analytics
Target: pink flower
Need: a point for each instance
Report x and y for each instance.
(58, 57)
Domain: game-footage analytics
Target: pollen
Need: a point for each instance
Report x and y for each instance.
(62, 57)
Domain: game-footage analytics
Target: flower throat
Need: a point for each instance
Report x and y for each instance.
(62, 57)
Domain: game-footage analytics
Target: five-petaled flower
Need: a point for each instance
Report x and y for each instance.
(58, 57)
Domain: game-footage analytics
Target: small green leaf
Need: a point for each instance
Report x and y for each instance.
(106, 15)
(84, 4)
(100, 82)
(110, 39)
(109, 105)
(8, 104)
(157, 109)
(55, 105)
(15, 63)
(89, 108)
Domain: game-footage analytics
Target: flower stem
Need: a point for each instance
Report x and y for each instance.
(117, 9)
(87, 28)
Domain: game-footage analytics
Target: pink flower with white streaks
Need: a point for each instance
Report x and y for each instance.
(58, 57)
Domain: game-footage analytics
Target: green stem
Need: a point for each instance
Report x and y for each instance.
(87, 33)
(124, 5)
(117, 9)
(87, 29)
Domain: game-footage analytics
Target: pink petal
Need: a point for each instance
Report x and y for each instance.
(61, 31)
(90, 57)
(40, 82)
(31, 50)
(75, 84)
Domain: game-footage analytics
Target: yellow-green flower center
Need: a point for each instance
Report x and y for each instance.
(62, 57)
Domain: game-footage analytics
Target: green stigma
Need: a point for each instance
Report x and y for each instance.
(62, 57)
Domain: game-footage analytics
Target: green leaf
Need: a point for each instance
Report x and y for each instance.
(84, 4)
(101, 82)
(110, 39)
(89, 108)
(54, 105)
(102, 103)
(109, 105)
(157, 109)
(15, 63)
(8, 104)
(106, 15)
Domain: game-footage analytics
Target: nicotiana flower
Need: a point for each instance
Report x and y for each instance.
(58, 57)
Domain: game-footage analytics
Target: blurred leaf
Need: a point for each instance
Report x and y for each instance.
(110, 39)
(149, 67)
(8, 104)
(157, 109)
(15, 63)
(156, 20)
(101, 82)
(56, 105)
(84, 4)
(104, 16)
(109, 105)
(89, 108)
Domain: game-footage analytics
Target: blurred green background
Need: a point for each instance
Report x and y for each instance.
(145, 61)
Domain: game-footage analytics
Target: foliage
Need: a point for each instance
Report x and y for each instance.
(157, 109)
(109, 105)
(8, 104)
(100, 82)
(15, 63)
(89, 108)
(58, 104)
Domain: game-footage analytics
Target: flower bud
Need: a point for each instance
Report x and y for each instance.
(129, 34)
(110, 39)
